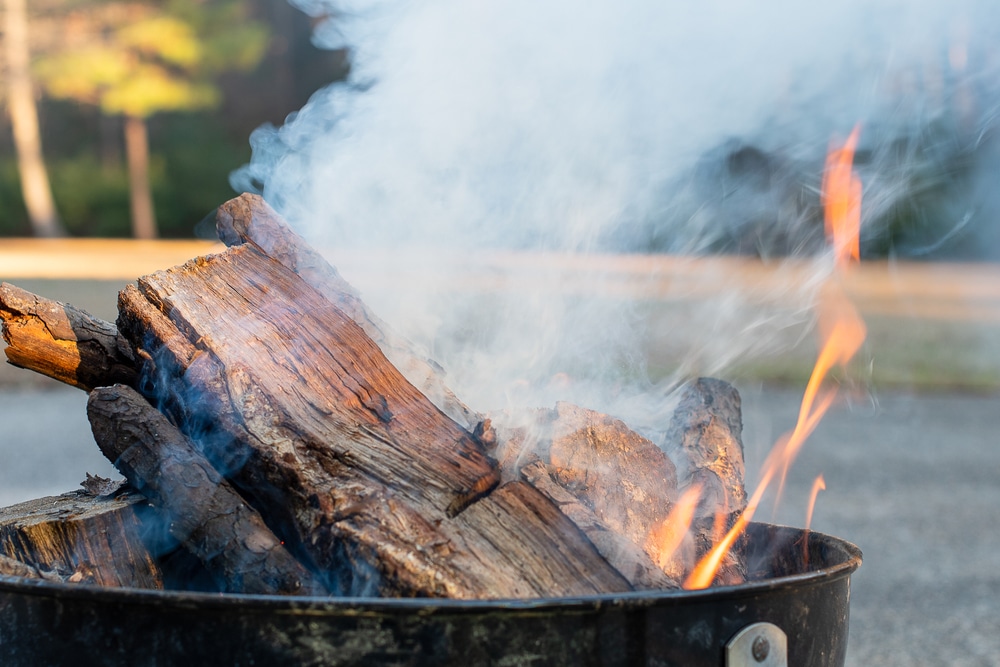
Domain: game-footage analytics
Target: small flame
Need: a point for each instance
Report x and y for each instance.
(668, 537)
(842, 332)
(819, 484)
(842, 201)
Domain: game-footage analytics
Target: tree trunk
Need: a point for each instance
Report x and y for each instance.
(24, 122)
(140, 194)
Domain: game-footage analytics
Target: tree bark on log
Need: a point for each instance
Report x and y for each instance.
(376, 484)
(203, 512)
(249, 219)
(62, 342)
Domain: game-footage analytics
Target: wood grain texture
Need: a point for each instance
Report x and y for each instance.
(249, 219)
(704, 439)
(80, 538)
(616, 486)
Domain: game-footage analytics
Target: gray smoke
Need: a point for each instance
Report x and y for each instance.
(469, 127)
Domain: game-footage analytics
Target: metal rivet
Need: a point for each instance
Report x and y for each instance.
(760, 648)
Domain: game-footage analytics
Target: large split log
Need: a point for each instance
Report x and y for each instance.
(249, 219)
(346, 460)
(202, 511)
(62, 342)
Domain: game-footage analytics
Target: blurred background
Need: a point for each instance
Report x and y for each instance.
(126, 118)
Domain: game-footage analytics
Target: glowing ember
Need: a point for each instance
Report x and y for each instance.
(841, 333)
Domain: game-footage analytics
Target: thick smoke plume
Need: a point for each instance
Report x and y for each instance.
(469, 128)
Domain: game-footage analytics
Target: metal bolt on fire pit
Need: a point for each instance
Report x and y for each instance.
(758, 645)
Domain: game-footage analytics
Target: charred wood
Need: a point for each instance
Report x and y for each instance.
(79, 538)
(615, 485)
(704, 440)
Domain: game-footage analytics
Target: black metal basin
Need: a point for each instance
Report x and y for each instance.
(44, 623)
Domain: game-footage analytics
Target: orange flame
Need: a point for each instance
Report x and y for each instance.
(819, 484)
(669, 535)
(842, 332)
(841, 195)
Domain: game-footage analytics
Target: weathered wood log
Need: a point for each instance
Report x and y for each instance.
(704, 441)
(346, 460)
(80, 538)
(248, 218)
(203, 512)
(62, 342)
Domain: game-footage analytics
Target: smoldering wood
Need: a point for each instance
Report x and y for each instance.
(615, 485)
(79, 538)
(627, 557)
(203, 512)
(704, 439)
(62, 342)
(248, 218)
(345, 458)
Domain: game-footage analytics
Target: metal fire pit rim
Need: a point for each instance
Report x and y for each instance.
(359, 606)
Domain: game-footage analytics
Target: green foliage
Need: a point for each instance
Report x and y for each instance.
(140, 58)
(189, 178)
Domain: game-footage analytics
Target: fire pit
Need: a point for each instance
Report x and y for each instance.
(787, 613)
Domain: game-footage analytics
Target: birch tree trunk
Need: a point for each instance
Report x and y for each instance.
(24, 122)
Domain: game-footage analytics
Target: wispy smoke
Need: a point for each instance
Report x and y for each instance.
(642, 125)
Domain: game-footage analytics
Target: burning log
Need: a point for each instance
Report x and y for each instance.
(703, 439)
(62, 342)
(202, 510)
(344, 458)
(620, 488)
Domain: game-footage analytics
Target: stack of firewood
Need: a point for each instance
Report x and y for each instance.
(295, 445)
